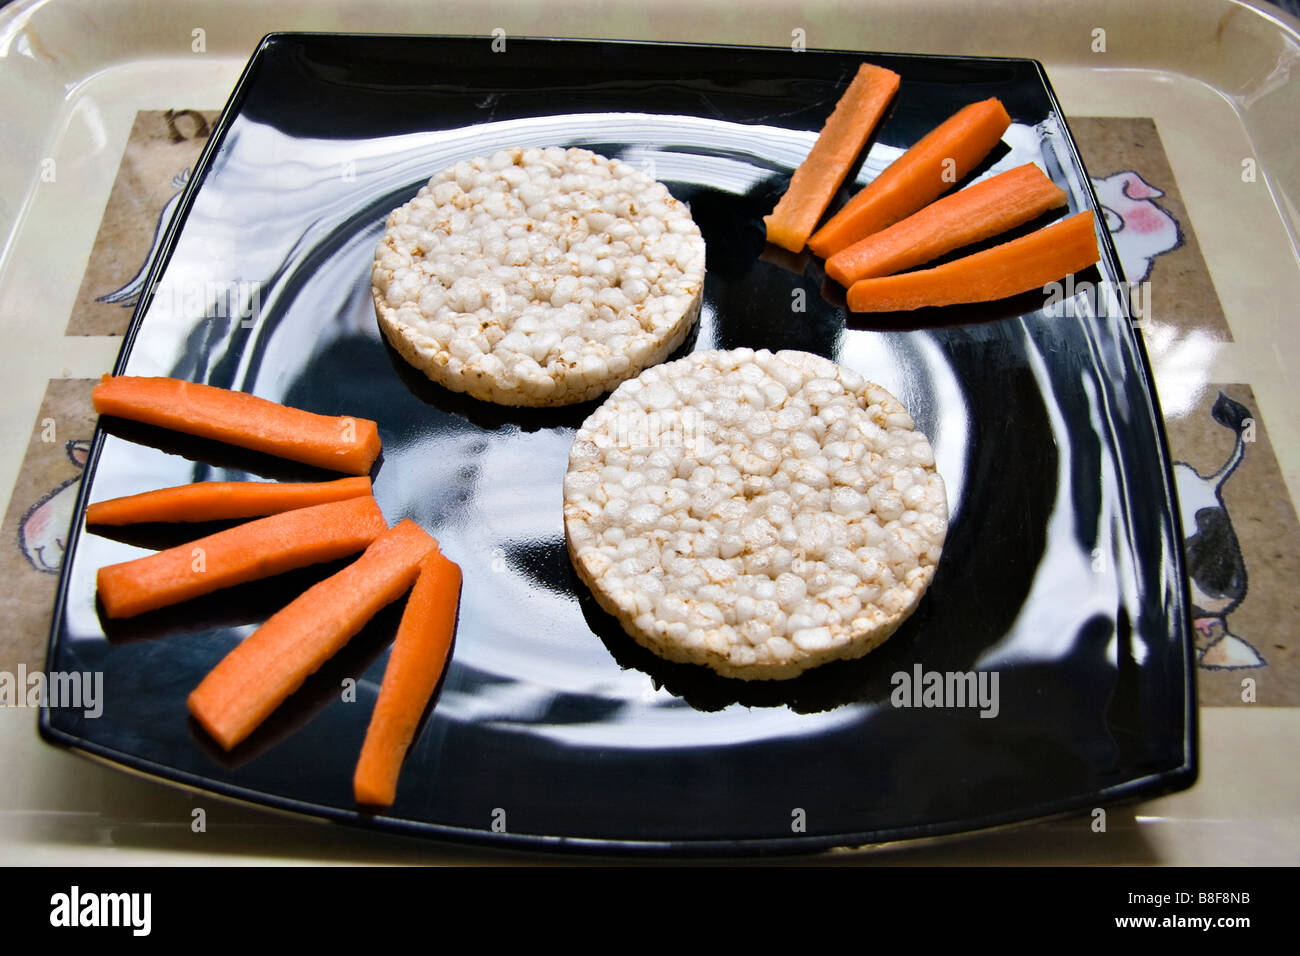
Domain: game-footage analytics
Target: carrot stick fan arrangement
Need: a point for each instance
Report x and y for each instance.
(899, 222)
(292, 526)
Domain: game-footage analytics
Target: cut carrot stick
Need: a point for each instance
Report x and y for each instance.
(1030, 262)
(222, 500)
(342, 443)
(819, 176)
(272, 662)
(978, 212)
(248, 552)
(922, 174)
(414, 666)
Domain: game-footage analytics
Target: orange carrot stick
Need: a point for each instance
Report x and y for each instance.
(342, 443)
(221, 500)
(248, 552)
(986, 209)
(819, 176)
(271, 663)
(1030, 262)
(414, 666)
(923, 173)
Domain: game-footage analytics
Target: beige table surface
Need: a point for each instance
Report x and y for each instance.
(1216, 76)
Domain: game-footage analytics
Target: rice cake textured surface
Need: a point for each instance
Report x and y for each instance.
(538, 277)
(756, 513)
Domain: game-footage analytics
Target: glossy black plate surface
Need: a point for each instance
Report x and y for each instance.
(1061, 575)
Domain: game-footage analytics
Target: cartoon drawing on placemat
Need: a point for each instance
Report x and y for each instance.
(43, 530)
(158, 162)
(129, 294)
(1140, 228)
(1215, 569)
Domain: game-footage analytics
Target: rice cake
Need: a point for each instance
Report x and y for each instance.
(538, 277)
(756, 513)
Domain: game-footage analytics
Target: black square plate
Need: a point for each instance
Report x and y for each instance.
(1061, 576)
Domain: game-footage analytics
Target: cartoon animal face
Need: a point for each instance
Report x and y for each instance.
(44, 529)
(1140, 228)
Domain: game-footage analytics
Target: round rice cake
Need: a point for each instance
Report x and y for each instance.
(538, 277)
(756, 513)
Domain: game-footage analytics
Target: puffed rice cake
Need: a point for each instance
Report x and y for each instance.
(538, 277)
(755, 513)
